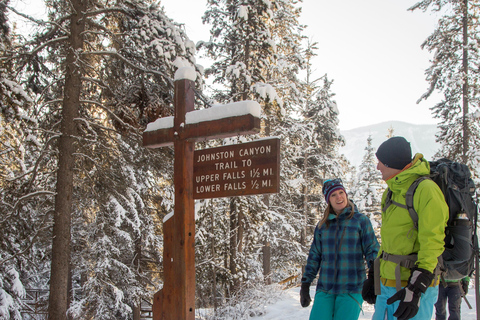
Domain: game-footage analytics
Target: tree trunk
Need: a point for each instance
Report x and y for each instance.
(214, 269)
(267, 256)
(303, 232)
(465, 127)
(137, 309)
(59, 278)
(267, 249)
(233, 246)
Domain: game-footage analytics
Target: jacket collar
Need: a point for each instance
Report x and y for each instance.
(401, 181)
(343, 214)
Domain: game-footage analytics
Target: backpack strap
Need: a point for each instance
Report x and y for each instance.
(406, 261)
(408, 200)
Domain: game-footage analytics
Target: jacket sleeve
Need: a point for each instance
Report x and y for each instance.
(369, 241)
(432, 210)
(314, 258)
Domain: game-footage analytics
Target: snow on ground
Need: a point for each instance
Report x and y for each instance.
(288, 307)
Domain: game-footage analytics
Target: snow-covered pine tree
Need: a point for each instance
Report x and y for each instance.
(22, 198)
(318, 159)
(122, 69)
(321, 117)
(369, 187)
(454, 72)
(252, 44)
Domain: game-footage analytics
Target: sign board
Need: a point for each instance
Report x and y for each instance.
(236, 170)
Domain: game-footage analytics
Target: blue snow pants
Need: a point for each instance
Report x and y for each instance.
(328, 306)
(384, 311)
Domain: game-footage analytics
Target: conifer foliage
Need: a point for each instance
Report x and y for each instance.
(255, 45)
(76, 173)
(454, 72)
(246, 48)
(369, 187)
(82, 201)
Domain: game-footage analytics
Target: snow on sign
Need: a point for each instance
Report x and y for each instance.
(217, 122)
(236, 170)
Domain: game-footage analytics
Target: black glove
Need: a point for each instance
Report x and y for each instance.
(465, 284)
(305, 294)
(368, 290)
(419, 281)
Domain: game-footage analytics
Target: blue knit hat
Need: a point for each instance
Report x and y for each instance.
(330, 186)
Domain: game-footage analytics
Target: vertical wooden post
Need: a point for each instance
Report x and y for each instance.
(184, 217)
(163, 299)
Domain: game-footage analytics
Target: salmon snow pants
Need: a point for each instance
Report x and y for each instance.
(328, 306)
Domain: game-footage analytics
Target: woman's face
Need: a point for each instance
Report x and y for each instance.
(338, 200)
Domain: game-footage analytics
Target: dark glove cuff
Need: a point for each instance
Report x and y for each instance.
(370, 273)
(306, 285)
(420, 280)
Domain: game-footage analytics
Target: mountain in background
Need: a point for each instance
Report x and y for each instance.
(421, 138)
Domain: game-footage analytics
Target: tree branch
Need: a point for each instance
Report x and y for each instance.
(119, 56)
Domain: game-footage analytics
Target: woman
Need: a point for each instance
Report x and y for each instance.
(344, 239)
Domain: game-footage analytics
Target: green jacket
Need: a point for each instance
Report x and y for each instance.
(398, 234)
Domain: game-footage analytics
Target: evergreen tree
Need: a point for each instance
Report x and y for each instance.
(369, 187)
(252, 43)
(95, 90)
(454, 72)
(24, 201)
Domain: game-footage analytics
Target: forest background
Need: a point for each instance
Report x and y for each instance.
(82, 202)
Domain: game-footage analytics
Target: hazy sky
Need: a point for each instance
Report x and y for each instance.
(371, 49)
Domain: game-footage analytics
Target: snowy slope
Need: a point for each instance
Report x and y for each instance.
(288, 307)
(421, 137)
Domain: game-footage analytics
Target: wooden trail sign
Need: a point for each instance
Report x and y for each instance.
(176, 301)
(235, 170)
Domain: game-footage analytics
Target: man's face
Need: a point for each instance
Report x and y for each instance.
(386, 171)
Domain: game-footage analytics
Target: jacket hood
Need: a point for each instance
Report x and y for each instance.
(419, 167)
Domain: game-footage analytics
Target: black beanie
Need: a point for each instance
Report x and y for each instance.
(395, 153)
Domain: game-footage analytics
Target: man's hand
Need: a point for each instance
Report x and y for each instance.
(368, 290)
(420, 280)
(305, 295)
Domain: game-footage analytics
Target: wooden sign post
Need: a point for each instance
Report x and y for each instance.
(176, 301)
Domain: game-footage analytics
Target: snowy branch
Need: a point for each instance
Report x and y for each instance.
(36, 49)
(109, 112)
(107, 10)
(34, 170)
(31, 195)
(116, 54)
(41, 228)
(40, 22)
(430, 90)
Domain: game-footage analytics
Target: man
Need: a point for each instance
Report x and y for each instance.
(453, 291)
(408, 254)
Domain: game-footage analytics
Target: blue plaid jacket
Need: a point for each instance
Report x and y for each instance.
(340, 252)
